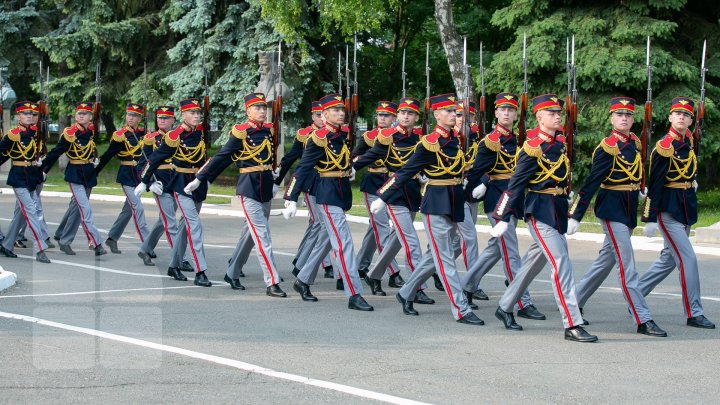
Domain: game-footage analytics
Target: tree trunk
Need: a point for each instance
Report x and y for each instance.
(452, 42)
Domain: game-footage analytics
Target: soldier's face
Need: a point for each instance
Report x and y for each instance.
(506, 116)
(132, 119)
(622, 121)
(26, 118)
(317, 119)
(680, 121)
(549, 120)
(460, 118)
(165, 123)
(83, 117)
(257, 112)
(385, 120)
(334, 116)
(192, 117)
(445, 118)
(407, 118)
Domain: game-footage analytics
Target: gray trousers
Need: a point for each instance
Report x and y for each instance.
(441, 231)
(27, 205)
(617, 249)
(678, 252)
(377, 235)
(338, 232)
(315, 241)
(405, 238)
(256, 232)
(505, 248)
(548, 246)
(80, 195)
(191, 233)
(166, 223)
(132, 208)
(468, 233)
(41, 214)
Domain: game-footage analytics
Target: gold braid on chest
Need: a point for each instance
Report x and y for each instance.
(190, 154)
(18, 151)
(682, 169)
(548, 168)
(78, 152)
(334, 161)
(504, 162)
(454, 167)
(250, 152)
(398, 156)
(130, 150)
(629, 171)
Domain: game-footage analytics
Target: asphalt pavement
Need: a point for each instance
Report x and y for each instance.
(86, 329)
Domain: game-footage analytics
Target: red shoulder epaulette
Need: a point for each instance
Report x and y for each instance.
(268, 125)
(666, 142)
(560, 138)
(152, 135)
(71, 130)
(305, 131)
(372, 134)
(91, 127)
(417, 131)
(494, 136)
(534, 142)
(432, 137)
(199, 127)
(242, 127)
(345, 128)
(15, 131)
(388, 131)
(174, 135)
(33, 127)
(321, 133)
(532, 133)
(610, 141)
(474, 128)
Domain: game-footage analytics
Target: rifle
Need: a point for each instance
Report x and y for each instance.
(339, 74)
(522, 122)
(697, 133)
(206, 105)
(354, 104)
(145, 99)
(42, 128)
(404, 75)
(426, 112)
(465, 129)
(97, 108)
(277, 111)
(646, 134)
(481, 104)
(571, 113)
(347, 81)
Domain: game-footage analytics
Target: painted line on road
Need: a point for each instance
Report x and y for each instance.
(240, 365)
(96, 268)
(96, 292)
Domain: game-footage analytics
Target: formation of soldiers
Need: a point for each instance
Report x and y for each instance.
(441, 176)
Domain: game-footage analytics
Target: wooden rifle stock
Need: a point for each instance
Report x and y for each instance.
(522, 123)
(206, 123)
(697, 132)
(645, 136)
(277, 129)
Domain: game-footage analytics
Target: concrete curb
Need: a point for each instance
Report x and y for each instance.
(7, 279)
(708, 234)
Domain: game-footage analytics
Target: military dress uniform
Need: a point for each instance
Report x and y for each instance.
(394, 147)
(672, 203)
(250, 147)
(439, 156)
(493, 166)
(126, 144)
(187, 149)
(543, 167)
(21, 146)
(78, 143)
(616, 171)
(378, 230)
(326, 164)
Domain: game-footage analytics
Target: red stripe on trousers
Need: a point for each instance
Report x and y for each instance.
(508, 270)
(189, 234)
(621, 267)
(408, 256)
(348, 282)
(686, 302)
(378, 245)
(165, 223)
(22, 208)
(82, 220)
(132, 210)
(258, 245)
(556, 276)
(441, 267)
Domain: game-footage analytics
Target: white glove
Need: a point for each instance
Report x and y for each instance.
(499, 229)
(573, 226)
(643, 194)
(479, 191)
(695, 184)
(290, 209)
(275, 190)
(352, 173)
(156, 188)
(44, 176)
(651, 229)
(570, 197)
(96, 162)
(38, 162)
(465, 182)
(423, 179)
(192, 186)
(141, 188)
(276, 173)
(377, 206)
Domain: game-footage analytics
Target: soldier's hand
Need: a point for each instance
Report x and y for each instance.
(643, 194)
(276, 173)
(651, 229)
(156, 188)
(695, 184)
(499, 229)
(573, 226)
(423, 179)
(290, 209)
(140, 188)
(96, 162)
(570, 197)
(275, 190)
(38, 162)
(377, 206)
(352, 173)
(479, 191)
(192, 186)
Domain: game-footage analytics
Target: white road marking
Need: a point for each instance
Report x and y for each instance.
(240, 365)
(95, 292)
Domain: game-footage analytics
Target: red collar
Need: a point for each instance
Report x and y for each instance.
(502, 130)
(545, 137)
(254, 124)
(80, 127)
(620, 136)
(442, 131)
(332, 128)
(676, 136)
(187, 127)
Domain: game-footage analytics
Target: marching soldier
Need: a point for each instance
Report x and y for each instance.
(325, 166)
(21, 147)
(393, 147)
(439, 156)
(78, 143)
(250, 146)
(543, 167)
(616, 170)
(125, 144)
(487, 180)
(186, 147)
(166, 223)
(671, 206)
(378, 232)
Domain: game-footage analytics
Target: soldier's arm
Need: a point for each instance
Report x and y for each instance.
(113, 148)
(484, 161)
(417, 162)
(659, 166)
(526, 167)
(215, 166)
(304, 170)
(163, 152)
(5, 145)
(287, 161)
(602, 163)
(62, 146)
(360, 148)
(378, 151)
